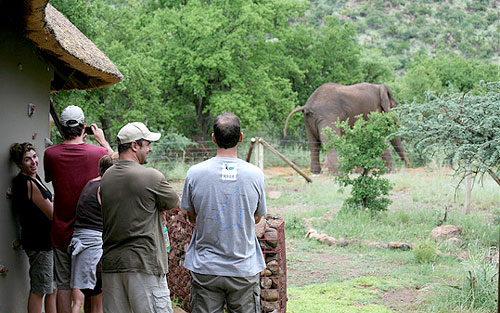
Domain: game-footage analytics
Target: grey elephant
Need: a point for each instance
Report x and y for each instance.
(332, 102)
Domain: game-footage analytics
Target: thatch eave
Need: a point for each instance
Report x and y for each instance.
(77, 62)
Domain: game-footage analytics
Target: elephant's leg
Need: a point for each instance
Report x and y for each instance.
(315, 147)
(331, 161)
(398, 146)
(388, 160)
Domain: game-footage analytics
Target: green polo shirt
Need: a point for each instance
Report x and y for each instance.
(132, 198)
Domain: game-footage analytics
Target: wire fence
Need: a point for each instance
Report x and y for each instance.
(171, 153)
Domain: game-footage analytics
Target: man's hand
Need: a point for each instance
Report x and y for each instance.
(163, 216)
(257, 218)
(192, 217)
(99, 137)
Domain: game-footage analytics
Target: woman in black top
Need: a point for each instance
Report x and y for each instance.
(32, 201)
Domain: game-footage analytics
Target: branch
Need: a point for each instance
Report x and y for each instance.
(494, 176)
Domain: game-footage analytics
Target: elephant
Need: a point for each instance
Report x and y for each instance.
(331, 102)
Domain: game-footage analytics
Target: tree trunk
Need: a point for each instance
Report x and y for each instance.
(202, 121)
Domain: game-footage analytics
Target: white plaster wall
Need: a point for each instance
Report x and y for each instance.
(24, 78)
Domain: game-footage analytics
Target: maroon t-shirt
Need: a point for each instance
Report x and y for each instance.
(69, 167)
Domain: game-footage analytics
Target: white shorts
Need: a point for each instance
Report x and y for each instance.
(86, 247)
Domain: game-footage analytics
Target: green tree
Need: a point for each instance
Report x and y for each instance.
(361, 148)
(463, 126)
(437, 74)
(222, 56)
(121, 29)
(186, 61)
(327, 54)
(321, 55)
(376, 68)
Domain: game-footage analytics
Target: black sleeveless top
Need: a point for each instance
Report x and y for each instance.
(88, 210)
(35, 225)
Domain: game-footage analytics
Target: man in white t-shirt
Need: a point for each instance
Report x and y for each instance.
(224, 196)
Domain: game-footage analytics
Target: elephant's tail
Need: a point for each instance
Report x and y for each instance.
(289, 115)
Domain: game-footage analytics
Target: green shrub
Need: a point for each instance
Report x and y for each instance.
(361, 148)
(425, 252)
(171, 146)
(294, 228)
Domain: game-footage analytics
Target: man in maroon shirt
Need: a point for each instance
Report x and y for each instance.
(69, 166)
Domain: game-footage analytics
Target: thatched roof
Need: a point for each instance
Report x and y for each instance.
(77, 62)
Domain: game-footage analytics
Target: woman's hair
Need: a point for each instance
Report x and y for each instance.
(17, 151)
(106, 162)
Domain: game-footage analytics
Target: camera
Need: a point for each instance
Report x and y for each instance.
(88, 130)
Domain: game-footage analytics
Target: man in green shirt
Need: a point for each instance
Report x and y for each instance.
(135, 261)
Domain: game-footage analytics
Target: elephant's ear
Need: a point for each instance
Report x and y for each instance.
(385, 98)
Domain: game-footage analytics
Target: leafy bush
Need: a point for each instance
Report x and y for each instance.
(294, 228)
(171, 146)
(465, 127)
(425, 252)
(361, 147)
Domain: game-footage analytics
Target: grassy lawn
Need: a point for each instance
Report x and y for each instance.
(432, 277)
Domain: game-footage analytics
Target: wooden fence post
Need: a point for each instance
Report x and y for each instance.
(259, 154)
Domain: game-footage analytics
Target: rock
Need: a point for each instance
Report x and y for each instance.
(274, 221)
(378, 245)
(260, 228)
(273, 266)
(276, 280)
(453, 242)
(271, 236)
(270, 306)
(269, 294)
(343, 242)
(322, 237)
(355, 242)
(266, 282)
(330, 241)
(274, 194)
(312, 233)
(445, 232)
(399, 245)
(265, 273)
(271, 256)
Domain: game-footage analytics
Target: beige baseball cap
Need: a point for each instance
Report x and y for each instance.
(135, 131)
(72, 116)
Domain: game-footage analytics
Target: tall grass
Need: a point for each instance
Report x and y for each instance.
(475, 291)
(422, 199)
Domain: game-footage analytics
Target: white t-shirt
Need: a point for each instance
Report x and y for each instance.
(225, 193)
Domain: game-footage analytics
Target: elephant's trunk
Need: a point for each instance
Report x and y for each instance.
(398, 146)
(288, 117)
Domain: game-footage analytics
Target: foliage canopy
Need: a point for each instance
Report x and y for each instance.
(463, 126)
(185, 62)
